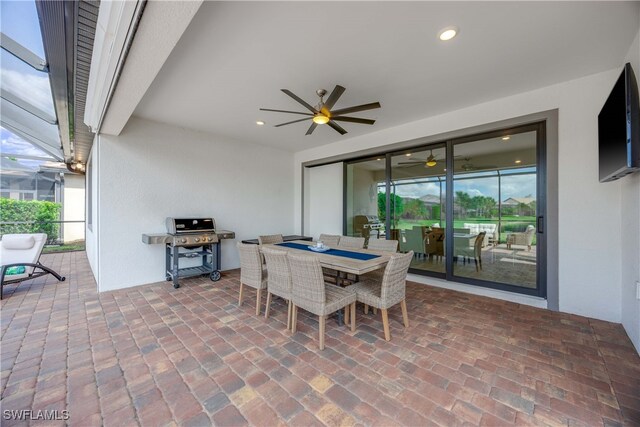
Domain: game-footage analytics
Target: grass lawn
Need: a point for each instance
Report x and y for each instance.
(509, 224)
(78, 245)
(459, 223)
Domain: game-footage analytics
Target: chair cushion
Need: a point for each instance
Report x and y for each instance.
(368, 292)
(15, 270)
(18, 241)
(337, 298)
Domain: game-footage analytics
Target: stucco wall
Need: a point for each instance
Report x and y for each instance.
(325, 215)
(630, 232)
(152, 171)
(92, 224)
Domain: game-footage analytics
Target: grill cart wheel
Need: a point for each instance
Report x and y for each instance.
(215, 276)
(175, 285)
(167, 278)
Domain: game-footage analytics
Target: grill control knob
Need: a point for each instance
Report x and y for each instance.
(210, 239)
(197, 239)
(184, 240)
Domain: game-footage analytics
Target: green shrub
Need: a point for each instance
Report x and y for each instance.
(435, 212)
(39, 215)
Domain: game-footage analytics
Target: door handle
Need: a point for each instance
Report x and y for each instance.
(540, 224)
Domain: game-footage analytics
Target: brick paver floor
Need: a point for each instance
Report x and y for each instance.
(154, 355)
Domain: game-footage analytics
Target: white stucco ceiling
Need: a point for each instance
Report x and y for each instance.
(235, 57)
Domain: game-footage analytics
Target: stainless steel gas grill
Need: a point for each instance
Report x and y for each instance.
(193, 240)
(364, 225)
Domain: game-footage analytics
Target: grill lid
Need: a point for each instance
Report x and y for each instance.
(190, 225)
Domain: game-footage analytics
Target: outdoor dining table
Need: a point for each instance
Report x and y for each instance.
(348, 260)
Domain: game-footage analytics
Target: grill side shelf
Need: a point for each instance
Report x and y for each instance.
(156, 239)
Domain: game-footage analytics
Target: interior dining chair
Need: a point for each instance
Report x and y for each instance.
(269, 239)
(312, 294)
(475, 251)
(389, 291)
(252, 272)
(331, 240)
(348, 242)
(279, 280)
(383, 245)
(434, 243)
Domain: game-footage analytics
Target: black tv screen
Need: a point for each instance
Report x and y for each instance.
(619, 129)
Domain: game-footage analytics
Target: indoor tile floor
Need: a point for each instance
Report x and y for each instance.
(154, 355)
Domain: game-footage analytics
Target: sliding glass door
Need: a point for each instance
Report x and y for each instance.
(488, 230)
(495, 195)
(417, 200)
(365, 198)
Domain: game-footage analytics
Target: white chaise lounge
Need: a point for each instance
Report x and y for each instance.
(23, 250)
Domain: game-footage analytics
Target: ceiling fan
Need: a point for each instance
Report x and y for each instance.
(429, 162)
(322, 113)
(468, 167)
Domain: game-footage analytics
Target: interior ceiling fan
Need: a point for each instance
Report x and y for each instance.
(468, 167)
(322, 113)
(429, 162)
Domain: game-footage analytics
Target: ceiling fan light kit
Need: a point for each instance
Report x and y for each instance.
(320, 119)
(322, 113)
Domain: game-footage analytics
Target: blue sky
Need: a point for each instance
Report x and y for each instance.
(19, 20)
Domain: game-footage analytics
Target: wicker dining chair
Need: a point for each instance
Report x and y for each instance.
(252, 272)
(387, 292)
(383, 245)
(331, 240)
(279, 279)
(270, 238)
(351, 242)
(312, 294)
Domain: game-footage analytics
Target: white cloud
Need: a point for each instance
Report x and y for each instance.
(33, 88)
(13, 144)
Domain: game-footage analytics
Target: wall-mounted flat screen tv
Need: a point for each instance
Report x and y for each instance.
(619, 129)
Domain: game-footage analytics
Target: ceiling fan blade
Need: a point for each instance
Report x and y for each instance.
(300, 100)
(355, 120)
(295, 121)
(311, 128)
(337, 127)
(362, 107)
(286, 111)
(333, 98)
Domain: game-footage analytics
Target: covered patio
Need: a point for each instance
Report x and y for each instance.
(149, 354)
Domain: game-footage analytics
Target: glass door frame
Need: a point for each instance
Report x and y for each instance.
(541, 266)
(541, 204)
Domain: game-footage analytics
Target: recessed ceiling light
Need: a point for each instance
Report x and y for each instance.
(378, 159)
(260, 123)
(506, 138)
(408, 154)
(518, 162)
(447, 33)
